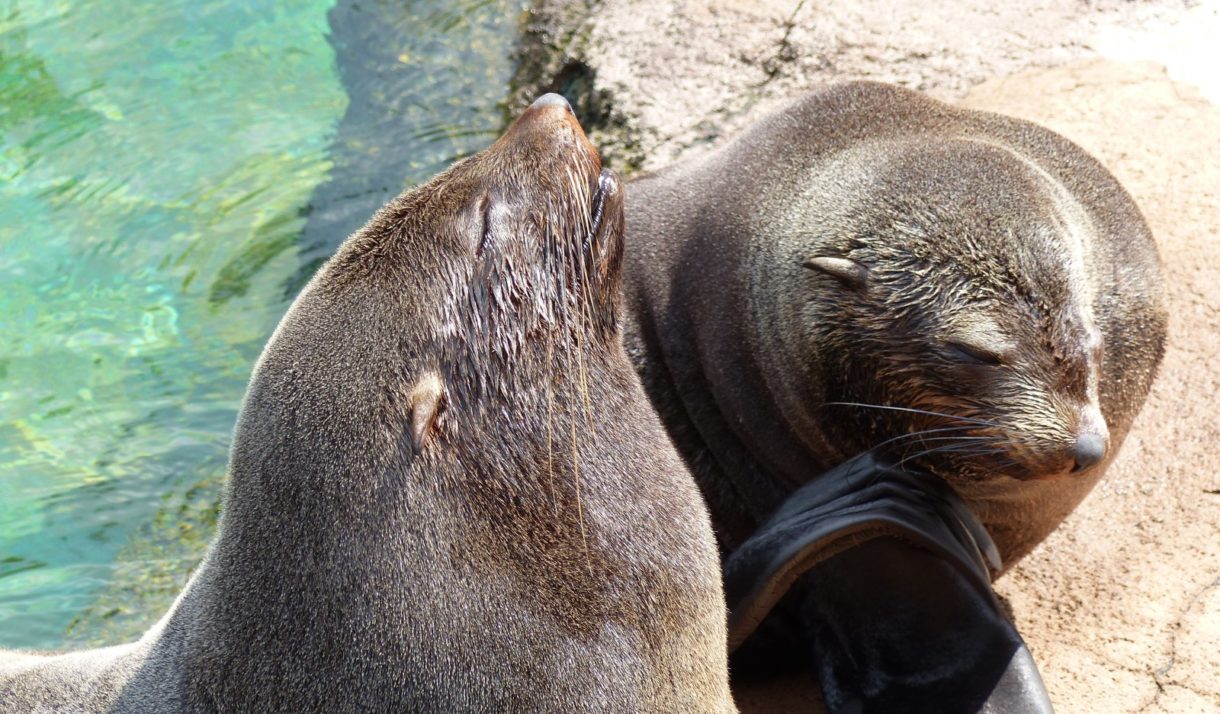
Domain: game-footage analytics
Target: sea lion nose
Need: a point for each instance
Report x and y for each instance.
(551, 100)
(1088, 450)
(549, 127)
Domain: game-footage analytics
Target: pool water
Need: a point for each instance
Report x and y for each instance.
(171, 172)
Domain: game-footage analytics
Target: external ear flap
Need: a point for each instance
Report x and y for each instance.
(846, 271)
(427, 402)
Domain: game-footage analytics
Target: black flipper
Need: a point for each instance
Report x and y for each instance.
(899, 610)
(861, 499)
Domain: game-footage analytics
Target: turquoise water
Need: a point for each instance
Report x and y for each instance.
(170, 172)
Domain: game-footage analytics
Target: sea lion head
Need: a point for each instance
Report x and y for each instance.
(449, 309)
(961, 315)
(510, 253)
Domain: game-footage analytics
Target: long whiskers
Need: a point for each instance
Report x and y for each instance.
(570, 313)
(550, 420)
(561, 248)
(942, 415)
(585, 313)
(961, 437)
(959, 449)
(918, 434)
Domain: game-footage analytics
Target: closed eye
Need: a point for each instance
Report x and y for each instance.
(973, 354)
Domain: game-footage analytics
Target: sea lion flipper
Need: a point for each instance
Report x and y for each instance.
(906, 550)
(1020, 688)
(896, 627)
(859, 500)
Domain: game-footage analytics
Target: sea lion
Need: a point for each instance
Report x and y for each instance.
(448, 491)
(871, 270)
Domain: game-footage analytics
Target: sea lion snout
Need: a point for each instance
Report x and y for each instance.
(550, 100)
(544, 222)
(1092, 441)
(1084, 445)
(547, 125)
(1088, 451)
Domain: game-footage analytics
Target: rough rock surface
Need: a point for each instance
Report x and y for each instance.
(1121, 606)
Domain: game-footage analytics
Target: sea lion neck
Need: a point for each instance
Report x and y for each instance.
(709, 367)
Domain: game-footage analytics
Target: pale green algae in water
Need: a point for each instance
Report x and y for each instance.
(159, 161)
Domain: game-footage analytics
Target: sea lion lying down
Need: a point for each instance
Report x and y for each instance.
(447, 489)
(869, 271)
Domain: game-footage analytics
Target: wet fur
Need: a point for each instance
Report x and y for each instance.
(494, 545)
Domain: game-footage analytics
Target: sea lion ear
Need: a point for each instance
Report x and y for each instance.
(427, 403)
(847, 271)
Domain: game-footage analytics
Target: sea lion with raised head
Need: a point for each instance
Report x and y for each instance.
(968, 295)
(448, 491)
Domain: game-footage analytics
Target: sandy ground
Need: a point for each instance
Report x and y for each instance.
(1121, 606)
